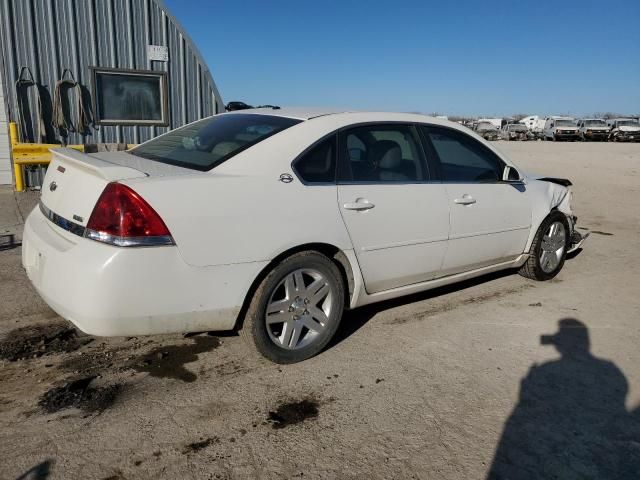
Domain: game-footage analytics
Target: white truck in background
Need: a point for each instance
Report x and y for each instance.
(593, 129)
(561, 128)
(624, 130)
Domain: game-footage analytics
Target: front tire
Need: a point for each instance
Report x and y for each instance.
(549, 248)
(296, 309)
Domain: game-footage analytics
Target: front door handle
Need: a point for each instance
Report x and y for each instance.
(465, 200)
(359, 204)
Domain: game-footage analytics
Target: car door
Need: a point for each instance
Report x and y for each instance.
(490, 218)
(397, 219)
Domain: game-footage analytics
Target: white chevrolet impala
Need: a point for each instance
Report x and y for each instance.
(273, 221)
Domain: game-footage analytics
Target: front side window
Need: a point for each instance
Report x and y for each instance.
(383, 153)
(462, 158)
(204, 144)
(318, 165)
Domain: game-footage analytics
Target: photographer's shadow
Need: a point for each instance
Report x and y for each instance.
(571, 421)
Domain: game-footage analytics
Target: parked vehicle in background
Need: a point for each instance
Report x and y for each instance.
(496, 122)
(487, 130)
(624, 130)
(532, 122)
(561, 128)
(516, 131)
(186, 232)
(593, 129)
(535, 124)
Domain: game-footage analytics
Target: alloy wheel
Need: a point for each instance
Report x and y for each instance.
(299, 309)
(552, 247)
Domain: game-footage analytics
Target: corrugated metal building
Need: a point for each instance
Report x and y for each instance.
(5, 154)
(129, 63)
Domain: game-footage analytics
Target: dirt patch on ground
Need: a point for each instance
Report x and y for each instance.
(447, 306)
(39, 340)
(201, 445)
(79, 394)
(292, 413)
(94, 362)
(169, 361)
(104, 357)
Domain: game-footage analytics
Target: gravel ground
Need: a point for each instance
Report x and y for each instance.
(447, 384)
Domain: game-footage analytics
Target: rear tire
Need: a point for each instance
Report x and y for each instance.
(549, 248)
(296, 309)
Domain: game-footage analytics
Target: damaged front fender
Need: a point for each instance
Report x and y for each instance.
(550, 193)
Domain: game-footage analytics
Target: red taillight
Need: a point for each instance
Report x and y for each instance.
(122, 217)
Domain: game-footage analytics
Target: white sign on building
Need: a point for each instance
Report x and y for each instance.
(157, 53)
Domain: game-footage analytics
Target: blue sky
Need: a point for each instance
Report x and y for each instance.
(455, 57)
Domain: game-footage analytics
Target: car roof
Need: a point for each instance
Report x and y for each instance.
(301, 113)
(309, 113)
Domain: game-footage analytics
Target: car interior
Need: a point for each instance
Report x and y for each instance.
(388, 155)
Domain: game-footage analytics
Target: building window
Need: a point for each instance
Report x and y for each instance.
(130, 97)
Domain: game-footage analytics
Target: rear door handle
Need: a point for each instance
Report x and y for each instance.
(465, 200)
(359, 204)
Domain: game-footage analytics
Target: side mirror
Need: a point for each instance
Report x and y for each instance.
(511, 175)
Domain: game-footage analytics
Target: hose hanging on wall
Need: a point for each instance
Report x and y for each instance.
(62, 107)
(23, 113)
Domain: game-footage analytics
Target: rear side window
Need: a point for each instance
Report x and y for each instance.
(318, 165)
(462, 158)
(207, 143)
(382, 153)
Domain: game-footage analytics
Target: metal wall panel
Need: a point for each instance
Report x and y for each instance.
(51, 35)
(5, 154)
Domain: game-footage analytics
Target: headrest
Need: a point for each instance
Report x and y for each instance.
(387, 154)
(319, 161)
(224, 148)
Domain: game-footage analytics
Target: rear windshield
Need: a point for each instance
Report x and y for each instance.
(207, 143)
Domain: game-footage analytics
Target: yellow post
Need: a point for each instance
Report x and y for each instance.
(13, 133)
(17, 168)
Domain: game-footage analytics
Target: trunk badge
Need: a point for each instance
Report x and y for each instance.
(61, 169)
(286, 178)
(52, 186)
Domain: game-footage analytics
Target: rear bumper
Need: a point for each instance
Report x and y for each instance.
(110, 291)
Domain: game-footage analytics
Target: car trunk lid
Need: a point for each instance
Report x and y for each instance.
(75, 180)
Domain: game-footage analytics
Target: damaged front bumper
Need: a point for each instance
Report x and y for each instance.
(578, 235)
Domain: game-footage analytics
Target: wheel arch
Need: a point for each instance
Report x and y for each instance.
(335, 254)
(541, 221)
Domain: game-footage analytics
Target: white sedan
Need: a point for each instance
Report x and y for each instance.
(273, 221)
